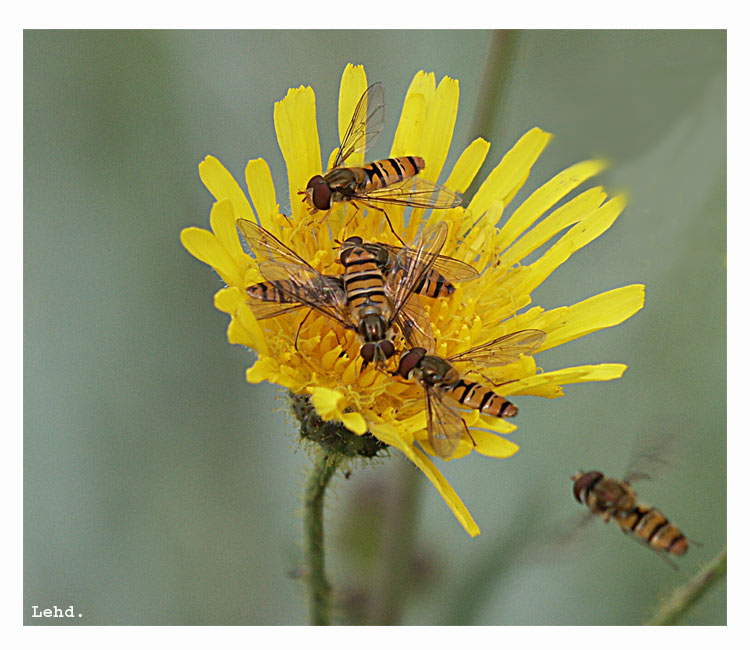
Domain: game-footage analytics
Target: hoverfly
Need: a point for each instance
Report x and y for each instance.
(441, 381)
(390, 181)
(438, 283)
(612, 498)
(362, 300)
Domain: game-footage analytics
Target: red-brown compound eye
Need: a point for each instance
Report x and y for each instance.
(409, 360)
(321, 193)
(387, 349)
(583, 483)
(367, 352)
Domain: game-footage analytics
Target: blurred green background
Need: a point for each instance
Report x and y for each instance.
(160, 488)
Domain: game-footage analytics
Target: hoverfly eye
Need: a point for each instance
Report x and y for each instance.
(387, 349)
(367, 352)
(321, 193)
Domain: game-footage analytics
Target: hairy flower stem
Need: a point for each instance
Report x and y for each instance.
(319, 588)
(686, 596)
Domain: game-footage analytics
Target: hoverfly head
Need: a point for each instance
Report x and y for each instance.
(409, 360)
(582, 482)
(319, 192)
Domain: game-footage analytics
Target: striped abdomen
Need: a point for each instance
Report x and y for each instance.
(364, 283)
(433, 285)
(653, 528)
(610, 498)
(274, 291)
(382, 173)
(475, 396)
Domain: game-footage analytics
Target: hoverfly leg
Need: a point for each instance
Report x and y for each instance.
(296, 337)
(468, 433)
(387, 218)
(485, 377)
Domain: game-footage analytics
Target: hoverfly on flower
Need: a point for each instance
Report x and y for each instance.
(363, 299)
(443, 383)
(390, 181)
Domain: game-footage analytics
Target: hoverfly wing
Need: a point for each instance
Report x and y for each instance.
(266, 246)
(416, 264)
(414, 324)
(313, 289)
(503, 350)
(365, 126)
(263, 309)
(649, 456)
(445, 426)
(269, 304)
(416, 192)
(451, 269)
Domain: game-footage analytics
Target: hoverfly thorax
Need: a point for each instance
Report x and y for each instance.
(434, 371)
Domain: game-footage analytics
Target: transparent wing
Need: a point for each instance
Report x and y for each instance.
(503, 350)
(365, 126)
(414, 324)
(263, 309)
(649, 457)
(416, 192)
(451, 269)
(313, 289)
(267, 247)
(416, 264)
(268, 308)
(444, 425)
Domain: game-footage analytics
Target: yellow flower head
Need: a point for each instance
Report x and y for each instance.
(321, 360)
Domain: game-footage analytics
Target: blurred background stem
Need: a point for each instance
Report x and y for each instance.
(318, 585)
(497, 67)
(686, 596)
(391, 583)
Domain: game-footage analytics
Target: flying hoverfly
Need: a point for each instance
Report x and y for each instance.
(615, 499)
(390, 181)
(442, 382)
(363, 299)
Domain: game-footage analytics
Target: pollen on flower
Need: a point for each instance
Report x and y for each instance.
(312, 350)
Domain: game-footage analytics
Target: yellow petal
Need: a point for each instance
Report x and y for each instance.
(603, 310)
(224, 227)
(297, 133)
(264, 369)
(246, 319)
(354, 422)
(510, 174)
(572, 212)
(353, 86)
(545, 197)
(408, 136)
(576, 238)
(492, 445)
(204, 245)
(439, 124)
(468, 165)
(390, 436)
(228, 299)
(222, 185)
(575, 375)
(326, 401)
(262, 193)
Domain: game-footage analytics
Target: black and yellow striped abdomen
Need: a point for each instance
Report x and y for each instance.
(282, 291)
(364, 283)
(475, 396)
(389, 171)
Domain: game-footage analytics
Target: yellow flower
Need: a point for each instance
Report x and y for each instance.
(326, 365)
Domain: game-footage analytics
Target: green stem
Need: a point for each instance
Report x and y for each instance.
(685, 597)
(319, 588)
